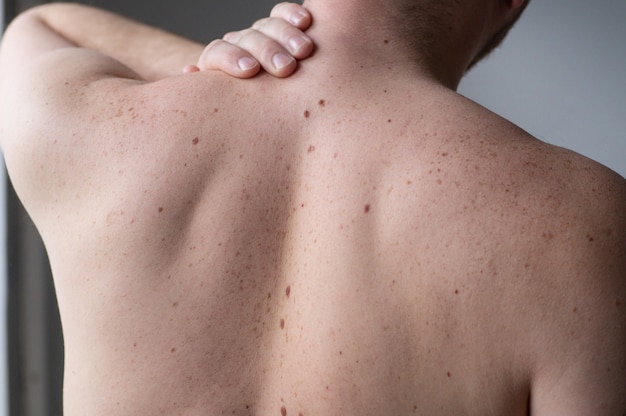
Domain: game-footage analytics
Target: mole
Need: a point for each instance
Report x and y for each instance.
(306, 114)
(195, 140)
(449, 374)
(366, 209)
(160, 209)
(288, 291)
(282, 324)
(321, 103)
(283, 411)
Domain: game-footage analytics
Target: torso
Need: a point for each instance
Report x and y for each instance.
(306, 262)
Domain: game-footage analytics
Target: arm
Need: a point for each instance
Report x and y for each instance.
(149, 52)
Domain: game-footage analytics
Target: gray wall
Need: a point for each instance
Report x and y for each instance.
(561, 76)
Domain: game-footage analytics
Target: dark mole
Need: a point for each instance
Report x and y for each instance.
(449, 374)
(590, 238)
(173, 350)
(306, 114)
(288, 291)
(321, 103)
(456, 292)
(388, 120)
(195, 140)
(282, 324)
(366, 209)
(386, 41)
(160, 209)
(283, 411)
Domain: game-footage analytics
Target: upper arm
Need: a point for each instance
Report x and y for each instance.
(50, 90)
(582, 369)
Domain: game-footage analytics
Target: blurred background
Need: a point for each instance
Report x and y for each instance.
(559, 76)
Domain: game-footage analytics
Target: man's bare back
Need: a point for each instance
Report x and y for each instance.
(386, 249)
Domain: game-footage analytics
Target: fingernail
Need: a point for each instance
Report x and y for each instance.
(280, 60)
(246, 63)
(296, 18)
(297, 42)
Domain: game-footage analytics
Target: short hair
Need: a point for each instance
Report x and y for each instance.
(497, 39)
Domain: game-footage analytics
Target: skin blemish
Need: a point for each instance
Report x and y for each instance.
(195, 140)
(282, 324)
(389, 120)
(306, 114)
(366, 209)
(449, 374)
(288, 291)
(175, 304)
(216, 110)
(173, 350)
(575, 310)
(456, 292)
(590, 238)
(311, 149)
(386, 41)
(283, 411)
(160, 209)
(321, 103)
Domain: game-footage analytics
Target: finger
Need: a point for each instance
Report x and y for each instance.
(292, 39)
(223, 56)
(272, 56)
(293, 13)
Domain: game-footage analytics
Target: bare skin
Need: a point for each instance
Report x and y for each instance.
(356, 239)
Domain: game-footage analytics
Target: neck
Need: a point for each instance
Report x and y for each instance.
(363, 34)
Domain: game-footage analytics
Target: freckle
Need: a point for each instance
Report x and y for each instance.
(173, 350)
(160, 209)
(306, 114)
(216, 110)
(288, 291)
(388, 120)
(311, 149)
(300, 414)
(366, 209)
(340, 352)
(456, 292)
(386, 41)
(175, 304)
(449, 374)
(590, 238)
(195, 140)
(444, 154)
(575, 310)
(282, 324)
(134, 344)
(321, 103)
(283, 411)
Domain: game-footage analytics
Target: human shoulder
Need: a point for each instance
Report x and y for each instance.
(90, 114)
(579, 297)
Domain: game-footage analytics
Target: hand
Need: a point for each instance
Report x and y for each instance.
(275, 44)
